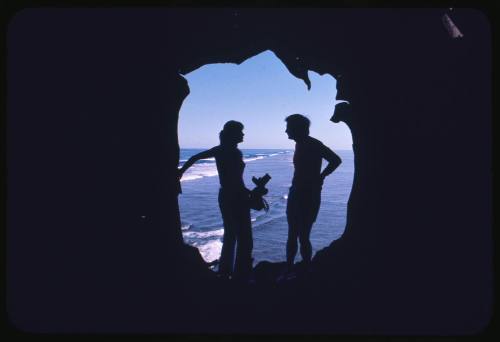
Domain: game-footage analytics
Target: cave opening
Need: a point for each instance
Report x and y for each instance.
(259, 92)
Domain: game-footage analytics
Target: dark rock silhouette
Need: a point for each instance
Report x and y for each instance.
(93, 231)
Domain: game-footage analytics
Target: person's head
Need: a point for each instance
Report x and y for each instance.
(297, 126)
(232, 133)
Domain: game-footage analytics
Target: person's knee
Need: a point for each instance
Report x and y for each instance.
(292, 238)
(229, 239)
(304, 240)
(293, 229)
(306, 249)
(245, 246)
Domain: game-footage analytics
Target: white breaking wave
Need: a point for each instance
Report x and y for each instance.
(208, 243)
(210, 250)
(198, 171)
(252, 159)
(190, 177)
(204, 235)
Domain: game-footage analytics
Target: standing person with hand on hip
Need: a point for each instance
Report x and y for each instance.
(304, 197)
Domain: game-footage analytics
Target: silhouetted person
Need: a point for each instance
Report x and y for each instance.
(233, 200)
(304, 197)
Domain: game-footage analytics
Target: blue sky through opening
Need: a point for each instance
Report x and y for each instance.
(260, 93)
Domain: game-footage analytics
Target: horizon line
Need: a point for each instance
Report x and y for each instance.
(255, 148)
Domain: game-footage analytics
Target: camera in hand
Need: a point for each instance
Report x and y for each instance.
(261, 181)
(257, 201)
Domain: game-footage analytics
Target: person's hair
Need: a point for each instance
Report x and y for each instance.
(299, 121)
(227, 135)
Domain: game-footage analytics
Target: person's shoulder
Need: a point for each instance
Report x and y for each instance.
(315, 142)
(214, 150)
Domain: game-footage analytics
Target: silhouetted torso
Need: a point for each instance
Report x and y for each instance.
(230, 166)
(307, 161)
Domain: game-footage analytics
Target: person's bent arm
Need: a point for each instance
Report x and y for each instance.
(333, 162)
(194, 159)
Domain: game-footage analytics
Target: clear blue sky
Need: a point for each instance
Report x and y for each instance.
(260, 93)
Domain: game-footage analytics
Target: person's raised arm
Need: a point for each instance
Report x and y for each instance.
(202, 155)
(333, 161)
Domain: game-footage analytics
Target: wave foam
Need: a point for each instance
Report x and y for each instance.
(211, 250)
(252, 159)
(208, 243)
(202, 170)
(204, 235)
(199, 171)
(190, 177)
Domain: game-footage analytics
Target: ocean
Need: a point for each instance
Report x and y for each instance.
(202, 222)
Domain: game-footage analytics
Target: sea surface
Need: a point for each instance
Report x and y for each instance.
(202, 222)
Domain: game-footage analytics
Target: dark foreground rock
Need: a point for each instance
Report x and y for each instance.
(94, 240)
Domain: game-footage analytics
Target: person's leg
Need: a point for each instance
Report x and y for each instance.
(305, 242)
(227, 253)
(244, 241)
(291, 216)
(310, 212)
(229, 239)
(291, 244)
